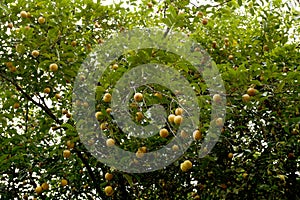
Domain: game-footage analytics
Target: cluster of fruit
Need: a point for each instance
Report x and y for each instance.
(45, 186)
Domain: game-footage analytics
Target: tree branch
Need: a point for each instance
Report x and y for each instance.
(43, 107)
(90, 172)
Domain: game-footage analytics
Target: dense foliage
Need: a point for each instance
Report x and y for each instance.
(254, 44)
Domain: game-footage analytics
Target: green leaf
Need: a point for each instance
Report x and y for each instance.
(240, 2)
(68, 126)
(129, 179)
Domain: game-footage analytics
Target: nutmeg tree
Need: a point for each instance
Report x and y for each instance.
(254, 45)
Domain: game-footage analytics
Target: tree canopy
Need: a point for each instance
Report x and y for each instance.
(253, 44)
